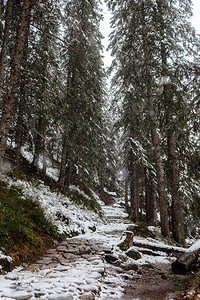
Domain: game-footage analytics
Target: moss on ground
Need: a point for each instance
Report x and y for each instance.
(24, 230)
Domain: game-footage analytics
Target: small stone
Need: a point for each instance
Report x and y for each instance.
(38, 295)
(62, 249)
(123, 257)
(92, 258)
(88, 296)
(11, 277)
(95, 248)
(107, 250)
(64, 243)
(51, 251)
(127, 277)
(60, 297)
(69, 256)
(129, 267)
(96, 275)
(132, 253)
(110, 258)
(90, 288)
(64, 262)
(87, 249)
(44, 260)
(100, 270)
(92, 228)
(18, 295)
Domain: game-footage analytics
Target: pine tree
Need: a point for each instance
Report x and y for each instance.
(5, 43)
(82, 118)
(14, 76)
(148, 68)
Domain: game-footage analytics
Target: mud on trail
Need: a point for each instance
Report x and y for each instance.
(151, 283)
(91, 266)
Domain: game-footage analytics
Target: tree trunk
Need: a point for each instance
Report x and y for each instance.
(160, 177)
(22, 103)
(5, 44)
(14, 76)
(177, 208)
(187, 260)
(151, 203)
(68, 177)
(44, 169)
(19, 126)
(170, 250)
(1, 8)
(126, 192)
(62, 175)
(173, 165)
(134, 192)
(44, 112)
(38, 144)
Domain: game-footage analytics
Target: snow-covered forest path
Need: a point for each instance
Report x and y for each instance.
(84, 267)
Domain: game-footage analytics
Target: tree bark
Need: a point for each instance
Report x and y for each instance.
(14, 76)
(1, 8)
(22, 103)
(160, 177)
(186, 261)
(173, 164)
(175, 251)
(126, 192)
(68, 173)
(62, 175)
(151, 203)
(19, 127)
(44, 168)
(44, 108)
(134, 191)
(5, 44)
(177, 207)
(38, 144)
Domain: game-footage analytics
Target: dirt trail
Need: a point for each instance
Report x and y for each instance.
(86, 268)
(153, 281)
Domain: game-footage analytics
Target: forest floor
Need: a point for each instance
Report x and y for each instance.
(91, 266)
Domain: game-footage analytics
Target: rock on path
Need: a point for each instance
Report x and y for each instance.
(74, 269)
(86, 268)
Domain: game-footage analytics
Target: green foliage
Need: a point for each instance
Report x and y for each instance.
(24, 229)
(174, 87)
(180, 281)
(197, 278)
(86, 200)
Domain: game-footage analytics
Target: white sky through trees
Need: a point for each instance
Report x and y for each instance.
(196, 17)
(105, 28)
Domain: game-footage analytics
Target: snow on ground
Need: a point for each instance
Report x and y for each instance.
(66, 282)
(153, 242)
(52, 171)
(55, 205)
(82, 276)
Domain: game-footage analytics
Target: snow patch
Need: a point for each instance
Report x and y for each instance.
(60, 210)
